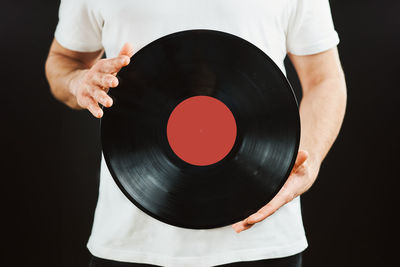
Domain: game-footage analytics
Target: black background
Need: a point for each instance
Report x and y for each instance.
(50, 166)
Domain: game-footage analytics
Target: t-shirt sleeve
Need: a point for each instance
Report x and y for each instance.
(310, 28)
(79, 27)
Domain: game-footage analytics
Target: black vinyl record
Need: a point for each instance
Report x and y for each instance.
(177, 67)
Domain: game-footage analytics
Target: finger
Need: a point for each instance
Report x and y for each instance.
(126, 50)
(93, 107)
(112, 65)
(102, 97)
(241, 226)
(283, 197)
(104, 80)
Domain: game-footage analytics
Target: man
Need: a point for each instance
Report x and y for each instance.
(123, 235)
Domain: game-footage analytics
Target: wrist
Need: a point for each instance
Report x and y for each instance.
(73, 83)
(314, 162)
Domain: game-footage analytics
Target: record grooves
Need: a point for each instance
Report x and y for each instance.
(258, 160)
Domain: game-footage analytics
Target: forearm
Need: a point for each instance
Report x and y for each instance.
(321, 111)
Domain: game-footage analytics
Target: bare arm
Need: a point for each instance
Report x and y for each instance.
(321, 112)
(81, 80)
(324, 101)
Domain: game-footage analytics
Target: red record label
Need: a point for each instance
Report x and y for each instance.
(201, 130)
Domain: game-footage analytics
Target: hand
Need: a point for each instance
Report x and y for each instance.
(90, 86)
(300, 180)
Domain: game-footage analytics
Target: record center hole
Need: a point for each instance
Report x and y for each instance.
(201, 130)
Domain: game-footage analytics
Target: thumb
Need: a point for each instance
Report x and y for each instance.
(126, 50)
(302, 156)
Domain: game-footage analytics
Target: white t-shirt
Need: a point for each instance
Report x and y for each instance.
(120, 230)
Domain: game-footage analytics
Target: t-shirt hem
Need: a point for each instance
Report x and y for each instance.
(315, 48)
(199, 261)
